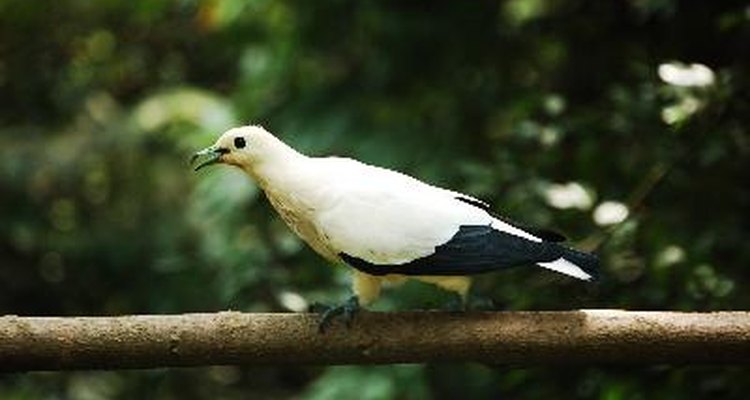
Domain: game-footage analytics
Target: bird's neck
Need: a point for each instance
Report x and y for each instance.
(282, 171)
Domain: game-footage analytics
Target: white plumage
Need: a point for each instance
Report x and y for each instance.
(385, 224)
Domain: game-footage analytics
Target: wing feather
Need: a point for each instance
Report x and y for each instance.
(386, 218)
(474, 249)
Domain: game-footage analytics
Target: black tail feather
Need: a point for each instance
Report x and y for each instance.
(586, 261)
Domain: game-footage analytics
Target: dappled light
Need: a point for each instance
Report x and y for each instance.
(679, 74)
(610, 213)
(568, 195)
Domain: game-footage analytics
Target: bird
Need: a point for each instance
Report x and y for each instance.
(385, 225)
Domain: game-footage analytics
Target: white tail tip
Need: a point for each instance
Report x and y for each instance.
(566, 267)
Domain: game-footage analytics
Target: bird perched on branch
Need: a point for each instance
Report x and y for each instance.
(385, 225)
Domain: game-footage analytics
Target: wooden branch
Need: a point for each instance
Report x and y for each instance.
(595, 336)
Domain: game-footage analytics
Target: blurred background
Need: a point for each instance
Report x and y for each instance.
(620, 123)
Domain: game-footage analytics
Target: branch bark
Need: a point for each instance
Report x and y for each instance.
(589, 336)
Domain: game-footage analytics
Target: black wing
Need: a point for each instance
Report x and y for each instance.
(474, 249)
(542, 233)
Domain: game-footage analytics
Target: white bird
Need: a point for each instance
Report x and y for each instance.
(387, 225)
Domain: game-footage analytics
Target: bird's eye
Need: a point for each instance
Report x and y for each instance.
(239, 142)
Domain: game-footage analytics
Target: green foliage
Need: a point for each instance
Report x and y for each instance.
(567, 114)
(370, 383)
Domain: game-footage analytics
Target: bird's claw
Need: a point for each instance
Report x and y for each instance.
(318, 308)
(347, 311)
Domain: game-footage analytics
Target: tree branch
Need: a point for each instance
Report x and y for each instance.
(594, 336)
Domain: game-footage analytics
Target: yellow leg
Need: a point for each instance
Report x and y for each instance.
(366, 287)
(458, 284)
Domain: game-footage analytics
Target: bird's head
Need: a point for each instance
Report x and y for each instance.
(242, 147)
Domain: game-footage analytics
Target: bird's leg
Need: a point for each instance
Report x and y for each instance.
(347, 310)
(318, 307)
(351, 308)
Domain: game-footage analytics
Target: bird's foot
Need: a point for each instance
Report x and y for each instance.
(346, 311)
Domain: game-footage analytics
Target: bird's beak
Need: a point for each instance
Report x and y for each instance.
(213, 156)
